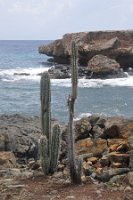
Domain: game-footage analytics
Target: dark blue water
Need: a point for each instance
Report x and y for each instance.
(20, 94)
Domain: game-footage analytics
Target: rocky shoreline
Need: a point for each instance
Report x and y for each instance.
(104, 143)
(102, 54)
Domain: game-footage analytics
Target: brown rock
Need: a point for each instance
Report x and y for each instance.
(93, 160)
(114, 44)
(102, 64)
(90, 146)
(121, 147)
(113, 147)
(117, 127)
(7, 160)
(117, 142)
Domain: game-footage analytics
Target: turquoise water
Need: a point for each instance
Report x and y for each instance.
(20, 94)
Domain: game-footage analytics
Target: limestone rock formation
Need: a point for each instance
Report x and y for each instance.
(114, 44)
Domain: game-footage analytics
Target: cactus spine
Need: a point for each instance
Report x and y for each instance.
(75, 165)
(49, 141)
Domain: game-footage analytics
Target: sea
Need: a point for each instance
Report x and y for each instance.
(20, 94)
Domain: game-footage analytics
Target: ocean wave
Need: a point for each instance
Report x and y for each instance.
(17, 74)
(95, 83)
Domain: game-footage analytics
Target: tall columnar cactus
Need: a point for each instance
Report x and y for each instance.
(75, 165)
(49, 141)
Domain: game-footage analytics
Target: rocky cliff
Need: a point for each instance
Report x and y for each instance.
(116, 45)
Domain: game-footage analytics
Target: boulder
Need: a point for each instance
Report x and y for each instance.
(101, 63)
(101, 66)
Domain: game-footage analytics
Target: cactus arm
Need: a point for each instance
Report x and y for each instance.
(43, 152)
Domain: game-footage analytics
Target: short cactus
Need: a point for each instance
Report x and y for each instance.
(49, 141)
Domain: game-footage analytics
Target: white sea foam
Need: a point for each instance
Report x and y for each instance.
(17, 74)
(12, 75)
(96, 83)
(82, 115)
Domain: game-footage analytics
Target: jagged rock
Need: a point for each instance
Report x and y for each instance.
(88, 145)
(59, 72)
(114, 44)
(20, 134)
(82, 128)
(105, 176)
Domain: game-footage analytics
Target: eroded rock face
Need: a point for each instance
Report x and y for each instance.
(117, 45)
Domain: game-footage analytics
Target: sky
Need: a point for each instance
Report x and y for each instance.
(51, 19)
